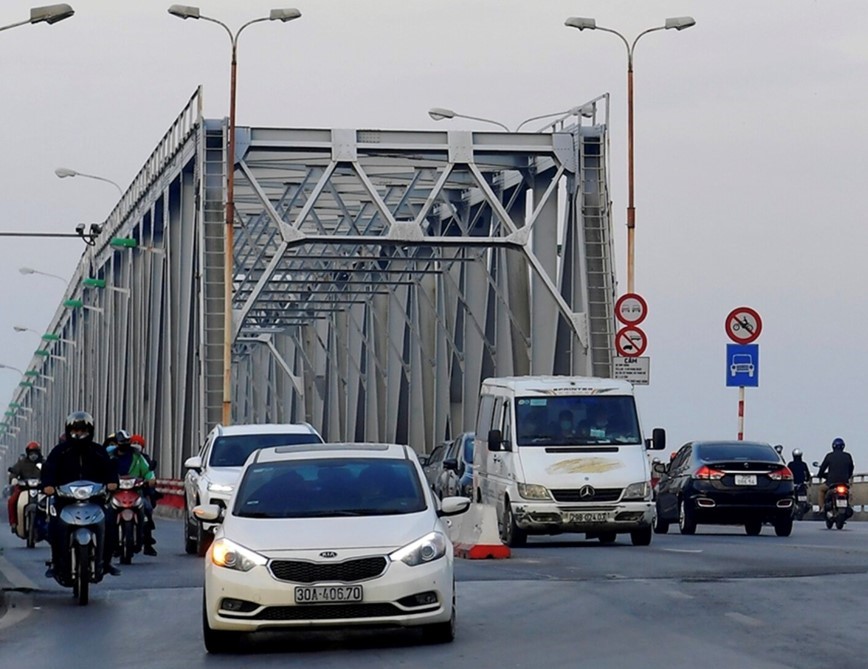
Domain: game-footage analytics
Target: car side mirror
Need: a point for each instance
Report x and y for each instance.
(495, 440)
(815, 463)
(451, 464)
(660, 468)
(194, 463)
(208, 513)
(657, 441)
(452, 506)
(423, 460)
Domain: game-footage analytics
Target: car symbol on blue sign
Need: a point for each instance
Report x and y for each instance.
(742, 365)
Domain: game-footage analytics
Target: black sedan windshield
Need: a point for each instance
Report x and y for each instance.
(330, 487)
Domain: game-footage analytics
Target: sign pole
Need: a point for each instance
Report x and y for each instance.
(741, 413)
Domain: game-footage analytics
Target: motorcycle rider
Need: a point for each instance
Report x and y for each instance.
(27, 468)
(836, 468)
(151, 493)
(801, 473)
(78, 457)
(130, 462)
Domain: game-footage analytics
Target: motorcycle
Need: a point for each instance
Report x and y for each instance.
(82, 527)
(127, 500)
(32, 512)
(837, 507)
(802, 505)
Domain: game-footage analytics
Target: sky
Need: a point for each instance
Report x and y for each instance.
(750, 146)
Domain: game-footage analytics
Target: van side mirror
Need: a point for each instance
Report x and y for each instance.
(495, 440)
(657, 442)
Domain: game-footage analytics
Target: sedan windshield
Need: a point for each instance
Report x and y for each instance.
(330, 487)
(233, 451)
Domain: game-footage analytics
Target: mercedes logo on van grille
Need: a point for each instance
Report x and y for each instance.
(587, 492)
(328, 554)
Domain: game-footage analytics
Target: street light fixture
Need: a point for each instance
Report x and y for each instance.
(14, 369)
(30, 270)
(675, 23)
(48, 14)
(283, 15)
(64, 172)
(441, 113)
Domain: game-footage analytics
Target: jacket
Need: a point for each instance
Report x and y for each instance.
(25, 469)
(73, 460)
(837, 467)
(801, 473)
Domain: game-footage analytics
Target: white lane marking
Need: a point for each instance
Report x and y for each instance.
(677, 594)
(683, 550)
(743, 619)
(15, 576)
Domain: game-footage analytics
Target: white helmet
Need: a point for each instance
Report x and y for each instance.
(797, 453)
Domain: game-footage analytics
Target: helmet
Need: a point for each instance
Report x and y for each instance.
(122, 437)
(838, 444)
(32, 446)
(79, 426)
(797, 453)
(138, 440)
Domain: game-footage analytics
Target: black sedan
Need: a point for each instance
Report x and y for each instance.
(725, 483)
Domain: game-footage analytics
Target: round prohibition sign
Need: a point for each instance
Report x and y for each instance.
(743, 325)
(631, 309)
(630, 342)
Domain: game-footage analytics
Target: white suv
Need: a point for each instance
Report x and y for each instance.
(211, 476)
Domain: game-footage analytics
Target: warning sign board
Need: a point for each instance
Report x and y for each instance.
(631, 309)
(635, 370)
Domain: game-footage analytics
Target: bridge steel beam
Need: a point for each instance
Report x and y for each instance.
(379, 276)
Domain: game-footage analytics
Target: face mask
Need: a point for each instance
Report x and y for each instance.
(33, 457)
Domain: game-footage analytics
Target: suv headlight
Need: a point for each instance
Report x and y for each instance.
(220, 487)
(634, 491)
(427, 549)
(533, 491)
(228, 554)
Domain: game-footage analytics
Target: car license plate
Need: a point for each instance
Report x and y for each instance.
(802, 498)
(745, 479)
(327, 594)
(841, 503)
(588, 517)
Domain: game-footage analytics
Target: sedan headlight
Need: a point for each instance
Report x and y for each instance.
(427, 549)
(533, 491)
(220, 487)
(228, 554)
(634, 491)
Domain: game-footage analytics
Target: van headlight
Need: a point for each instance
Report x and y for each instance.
(427, 549)
(228, 554)
(533, 491)
(637, 491)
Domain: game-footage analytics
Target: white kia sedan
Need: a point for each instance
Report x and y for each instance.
(333, 535)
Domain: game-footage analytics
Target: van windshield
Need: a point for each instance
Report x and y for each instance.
(579, 420)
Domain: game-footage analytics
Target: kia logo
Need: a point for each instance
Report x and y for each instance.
(328, 554)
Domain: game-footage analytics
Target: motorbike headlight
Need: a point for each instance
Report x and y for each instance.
(228, 554)
(82, 492)
(533, 491)
(220, 487)
(427, 549)
(640, 490)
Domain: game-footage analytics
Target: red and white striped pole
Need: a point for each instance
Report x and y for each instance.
(741, 413)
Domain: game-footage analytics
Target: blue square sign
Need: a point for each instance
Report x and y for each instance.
(742, 365)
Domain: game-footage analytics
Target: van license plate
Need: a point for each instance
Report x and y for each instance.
(327, 594)
(588, 517)
(745, 479)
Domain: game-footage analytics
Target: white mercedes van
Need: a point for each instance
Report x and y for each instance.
(564, 454)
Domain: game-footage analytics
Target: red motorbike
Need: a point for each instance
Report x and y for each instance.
(128, 503)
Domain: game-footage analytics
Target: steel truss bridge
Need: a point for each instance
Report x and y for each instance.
(378, 277)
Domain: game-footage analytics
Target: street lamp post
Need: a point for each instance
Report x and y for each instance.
(283, 15)
(63, 172)
(49, 14)
(677, 23)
